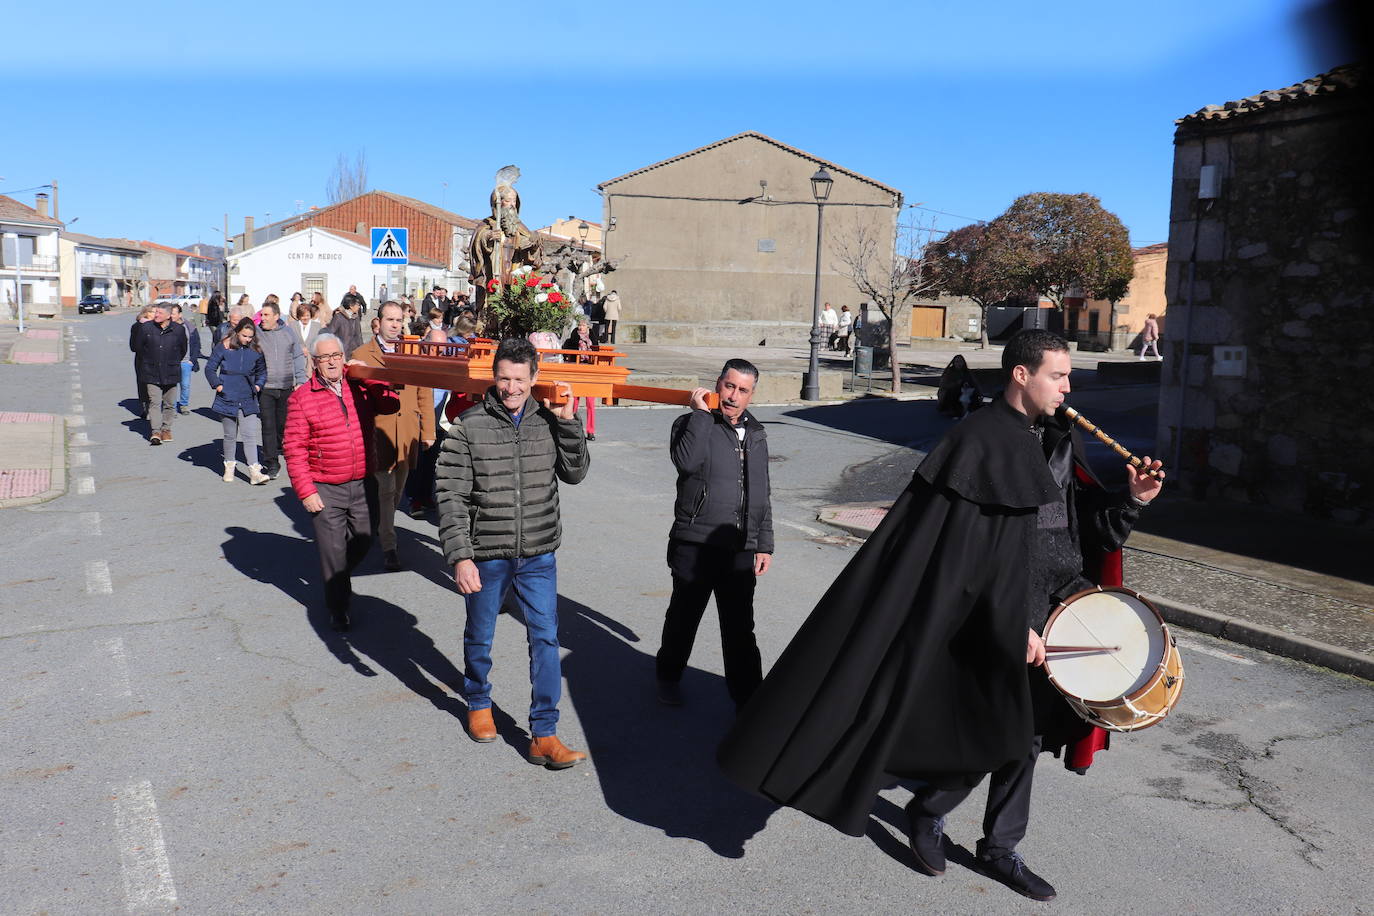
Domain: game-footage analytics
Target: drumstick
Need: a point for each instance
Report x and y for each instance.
(1051, 649)
(1109, 441)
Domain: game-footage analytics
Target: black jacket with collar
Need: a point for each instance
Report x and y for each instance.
(722, 501)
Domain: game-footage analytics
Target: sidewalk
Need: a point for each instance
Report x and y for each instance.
(1322, 615)
(33, 446)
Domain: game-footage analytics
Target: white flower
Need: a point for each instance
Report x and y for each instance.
(542, 297)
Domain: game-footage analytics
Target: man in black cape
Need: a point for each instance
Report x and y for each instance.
(915, 664)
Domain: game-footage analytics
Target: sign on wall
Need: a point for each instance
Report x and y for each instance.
(390, 245)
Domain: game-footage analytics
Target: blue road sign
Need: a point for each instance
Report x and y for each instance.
(390, 245)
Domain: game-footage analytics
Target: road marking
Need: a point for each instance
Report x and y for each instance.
(804, 529)
(81, 459)
(85, 486)
(115, 649)
(1215, 653)
(91, 522)
(142, 851)
(80, 439)
(76, 421)
(98, 578)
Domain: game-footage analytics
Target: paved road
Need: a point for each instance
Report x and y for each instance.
(180, 733)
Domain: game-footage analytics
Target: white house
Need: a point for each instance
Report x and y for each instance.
(327, 261)
(29, 258)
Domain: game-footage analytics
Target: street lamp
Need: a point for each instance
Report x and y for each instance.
(582, 229)
(821, 183)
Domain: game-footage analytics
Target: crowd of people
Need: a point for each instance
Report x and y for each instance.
(924, 660)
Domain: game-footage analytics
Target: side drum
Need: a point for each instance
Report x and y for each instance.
(1109, 652)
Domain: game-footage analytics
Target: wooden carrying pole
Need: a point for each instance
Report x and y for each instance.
(457, 367)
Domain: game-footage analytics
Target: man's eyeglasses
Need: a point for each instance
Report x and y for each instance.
(329, 357)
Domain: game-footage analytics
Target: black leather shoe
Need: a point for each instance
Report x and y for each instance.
(338, 620)
(669, 693)
(927, 841)
(1011, 870)
(391, 562)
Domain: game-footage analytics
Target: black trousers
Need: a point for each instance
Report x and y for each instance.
(343, 534)
(272, 404)
(1007, 814)
(698, 573)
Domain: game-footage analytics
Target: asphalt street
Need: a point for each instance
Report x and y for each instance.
(183, 733)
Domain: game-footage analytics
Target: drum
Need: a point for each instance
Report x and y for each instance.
(1109, 652)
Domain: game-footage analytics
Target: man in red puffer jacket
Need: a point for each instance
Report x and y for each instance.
(329, 454)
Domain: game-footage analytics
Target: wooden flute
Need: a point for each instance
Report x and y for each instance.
(1109, 441)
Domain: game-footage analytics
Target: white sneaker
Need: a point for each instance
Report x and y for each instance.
(229, 467)
(255, 475)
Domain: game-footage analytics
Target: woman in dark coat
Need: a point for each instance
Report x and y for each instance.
(237, 372)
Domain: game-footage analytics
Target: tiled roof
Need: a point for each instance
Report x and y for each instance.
(366, 242)
(97, 242)
(1340, 80)
(766, 139)
(11, 209)
(1157, 248)
(188, 254)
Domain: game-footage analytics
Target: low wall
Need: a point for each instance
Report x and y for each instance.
(715, 334)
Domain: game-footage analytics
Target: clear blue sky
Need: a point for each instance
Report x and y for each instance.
(157, 118)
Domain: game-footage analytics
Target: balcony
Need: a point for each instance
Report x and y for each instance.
(33, 264)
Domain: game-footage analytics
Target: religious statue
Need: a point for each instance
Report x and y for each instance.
(501, 242)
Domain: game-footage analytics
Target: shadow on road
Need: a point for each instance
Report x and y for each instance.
(656, 764)
(897, 422)
(383, 634)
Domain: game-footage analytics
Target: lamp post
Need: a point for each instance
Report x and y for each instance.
(821, 183)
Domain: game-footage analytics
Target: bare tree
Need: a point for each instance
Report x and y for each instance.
(348, 180)
(889, 278)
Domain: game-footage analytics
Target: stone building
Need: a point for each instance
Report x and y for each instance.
(718, 245)
(1264, 396)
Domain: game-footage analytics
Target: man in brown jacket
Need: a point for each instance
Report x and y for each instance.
(399, 436)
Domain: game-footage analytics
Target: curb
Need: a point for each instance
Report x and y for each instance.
(1222, 626)
(1266, 639)
(57, 482)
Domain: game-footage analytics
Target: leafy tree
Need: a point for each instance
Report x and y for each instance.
(1055, 242)
(974, 262)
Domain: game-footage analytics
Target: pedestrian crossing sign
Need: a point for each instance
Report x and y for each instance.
(390, 245)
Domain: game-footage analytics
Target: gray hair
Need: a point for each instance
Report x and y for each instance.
(325, 337)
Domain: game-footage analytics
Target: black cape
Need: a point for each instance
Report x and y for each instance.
(913, 664)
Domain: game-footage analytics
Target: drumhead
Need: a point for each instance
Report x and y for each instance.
(1105, 618)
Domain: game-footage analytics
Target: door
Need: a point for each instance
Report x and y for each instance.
(927, 321)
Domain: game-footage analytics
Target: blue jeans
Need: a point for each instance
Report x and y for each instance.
(185, 398)
(535, 581)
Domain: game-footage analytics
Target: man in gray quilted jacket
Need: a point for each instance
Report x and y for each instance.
(497, 487)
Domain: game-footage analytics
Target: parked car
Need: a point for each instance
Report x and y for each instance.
(93, 304)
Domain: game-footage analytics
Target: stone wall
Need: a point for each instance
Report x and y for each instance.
(1276, 271)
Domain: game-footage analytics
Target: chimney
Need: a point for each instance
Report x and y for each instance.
(247, 232)
(361, 228)
(42, 201)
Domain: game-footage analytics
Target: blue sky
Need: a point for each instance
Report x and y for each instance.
(157, 118)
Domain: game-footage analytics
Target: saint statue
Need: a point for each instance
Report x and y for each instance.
(501, 241)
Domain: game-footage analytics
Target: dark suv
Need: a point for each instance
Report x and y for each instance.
(96, 304)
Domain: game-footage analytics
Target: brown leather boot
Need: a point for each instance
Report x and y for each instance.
(166, 435)
(551, 754)
(481, 727)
